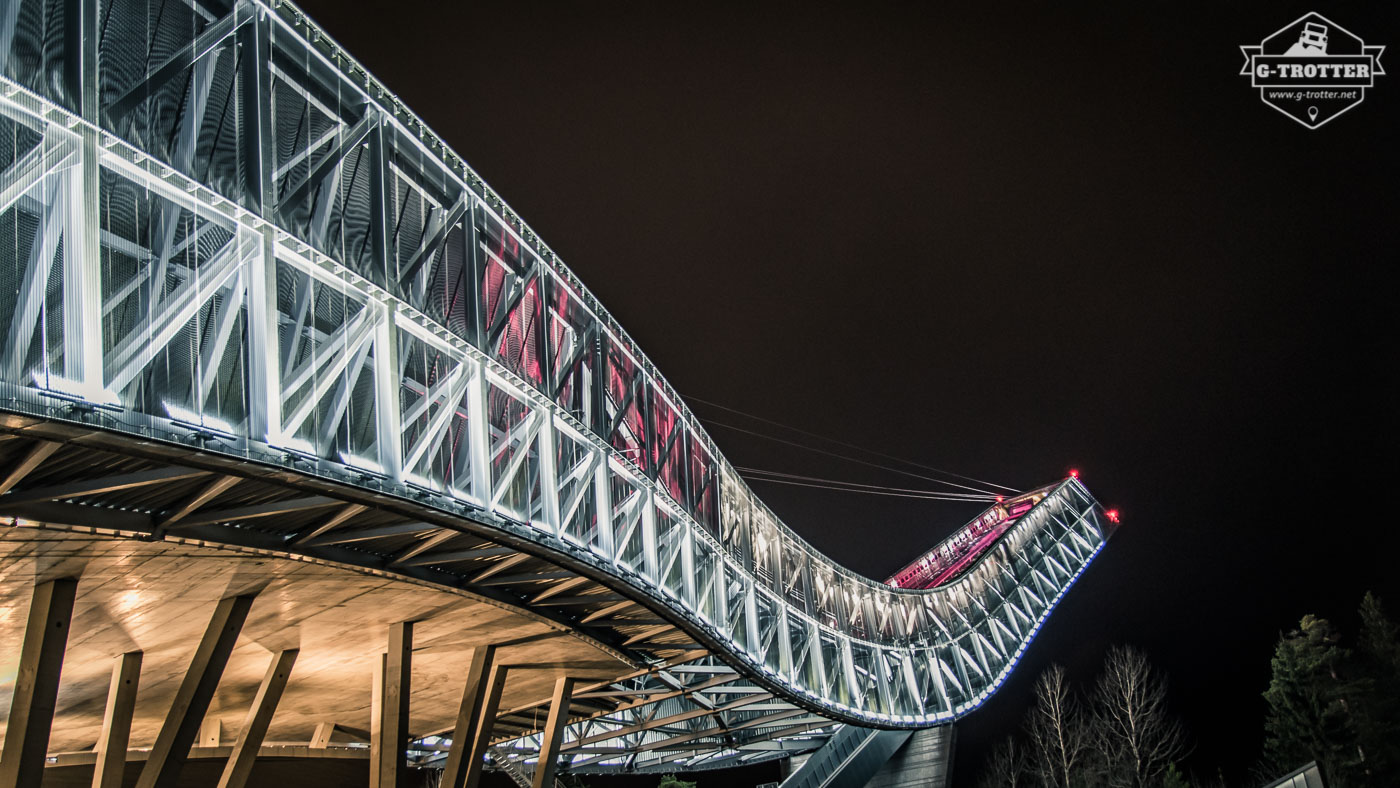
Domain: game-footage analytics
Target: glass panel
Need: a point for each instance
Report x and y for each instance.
(628, 500)
(573, 332)
(433, 417)
(326, 357)
(514, 453)
(512, 306)
(707, 568)
(623, 402)
(670, 548)
(768, 648)
(574, 462)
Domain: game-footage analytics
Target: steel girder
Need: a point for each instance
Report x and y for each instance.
(220, 234)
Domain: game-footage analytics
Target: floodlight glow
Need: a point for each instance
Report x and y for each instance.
(76, 390)
(296, 445)
(188, 418)
(361, 464)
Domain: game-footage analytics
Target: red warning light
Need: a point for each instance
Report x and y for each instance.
(1000, 498)
(1112, 514)
(1074, 473)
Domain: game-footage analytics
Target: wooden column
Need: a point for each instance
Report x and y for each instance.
(464, 733)
(321, 737)
(392, 765)
(250, 738)
(107, 771)
(485, 721)
(376, 718)
(177, 734)
(211, 732)
(554, 732)
(36, 684)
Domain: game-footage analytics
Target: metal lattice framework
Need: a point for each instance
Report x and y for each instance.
(220, 236)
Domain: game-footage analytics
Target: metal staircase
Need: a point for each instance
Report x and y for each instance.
(848, 760)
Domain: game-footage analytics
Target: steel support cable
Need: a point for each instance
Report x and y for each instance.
(921, 497)
(774, 438)
(862, 487)
(689, 398)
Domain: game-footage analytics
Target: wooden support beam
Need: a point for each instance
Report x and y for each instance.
(453, 556)
(35, 457)
(376, 718)
(329, 524)
(211, 732)
(346, 535)
(392, 764)
(605, 612)
(526, 577)
(321, 738)
(479, 665)
(553, 733)
(590, 599)
(269, 509)
(485, 721)
(125, 481)
(559, 588)
(423, 545)
(206, 494)
(107, 771)
(36, 683)
(172, 746)
(250, 738)
(499, 567)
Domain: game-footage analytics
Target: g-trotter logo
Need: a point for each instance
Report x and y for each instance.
(1313, 69)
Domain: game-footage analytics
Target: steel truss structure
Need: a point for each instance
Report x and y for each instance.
(227, 248)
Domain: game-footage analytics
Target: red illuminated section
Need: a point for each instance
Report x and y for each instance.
(954, 555)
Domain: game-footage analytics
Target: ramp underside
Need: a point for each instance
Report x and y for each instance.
(157, 597)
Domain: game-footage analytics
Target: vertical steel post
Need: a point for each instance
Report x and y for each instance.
(259, 161)
(602, 495)
(82, 261)
(479, 433)
(389, 437)
(549, 472)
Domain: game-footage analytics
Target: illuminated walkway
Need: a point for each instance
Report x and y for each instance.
(251, 302)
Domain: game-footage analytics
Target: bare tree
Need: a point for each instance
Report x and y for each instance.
(1006, 767)
(1058, 731)
(1135, 738)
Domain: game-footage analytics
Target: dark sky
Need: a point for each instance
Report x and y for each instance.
(1004, 241)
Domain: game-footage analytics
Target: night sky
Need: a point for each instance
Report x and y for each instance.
(1001, 241)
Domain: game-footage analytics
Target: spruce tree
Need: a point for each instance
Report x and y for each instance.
(1378, 707)
(1309, 716)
